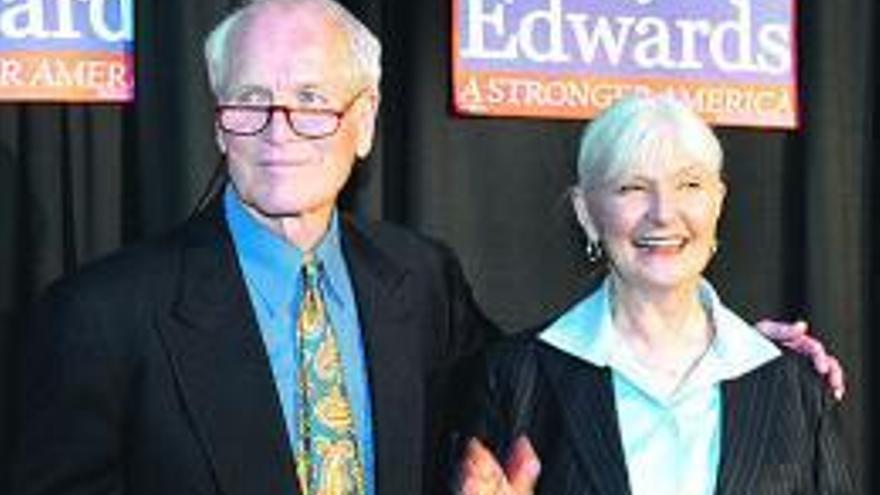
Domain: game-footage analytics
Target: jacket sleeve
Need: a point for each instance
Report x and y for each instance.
(832, 473)
(498, 397)
(469, 330)
(68, 407)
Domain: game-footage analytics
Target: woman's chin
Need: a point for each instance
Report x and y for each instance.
(663, 281)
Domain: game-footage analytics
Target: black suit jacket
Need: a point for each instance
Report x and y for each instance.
(780, 432)
(146, 372)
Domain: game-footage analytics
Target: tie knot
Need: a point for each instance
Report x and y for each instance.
(311, 269)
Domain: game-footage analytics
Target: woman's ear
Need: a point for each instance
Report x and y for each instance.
(722, 188)
(582, 211)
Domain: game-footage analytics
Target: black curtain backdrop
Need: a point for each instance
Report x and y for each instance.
(798, 235)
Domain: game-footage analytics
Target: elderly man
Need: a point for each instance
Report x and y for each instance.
(204, 362)
(269, 345)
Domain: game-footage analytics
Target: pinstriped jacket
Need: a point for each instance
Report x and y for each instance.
(780, 427)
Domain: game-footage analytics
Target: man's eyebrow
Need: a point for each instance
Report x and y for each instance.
(312, 90)
(250, 90)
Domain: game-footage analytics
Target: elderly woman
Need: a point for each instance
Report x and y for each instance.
(651, 385)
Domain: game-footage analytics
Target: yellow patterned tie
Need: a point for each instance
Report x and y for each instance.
(327, 456)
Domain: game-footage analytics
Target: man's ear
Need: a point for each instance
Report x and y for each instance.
(582, 211)
(367, 111)
(220, 139)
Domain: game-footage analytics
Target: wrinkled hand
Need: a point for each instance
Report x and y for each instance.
(481, 474)
(795, 337)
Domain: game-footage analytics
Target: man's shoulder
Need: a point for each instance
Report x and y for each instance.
(388, 233)
(134, 269)
(397, 242)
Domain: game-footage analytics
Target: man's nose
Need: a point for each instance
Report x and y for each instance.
(278, 129)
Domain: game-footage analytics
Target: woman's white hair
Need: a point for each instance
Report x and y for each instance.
(366, 50)
(644, 130)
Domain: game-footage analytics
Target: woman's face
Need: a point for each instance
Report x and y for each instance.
(656, 223)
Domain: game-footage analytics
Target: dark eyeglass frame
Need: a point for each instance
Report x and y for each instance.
(269, 113)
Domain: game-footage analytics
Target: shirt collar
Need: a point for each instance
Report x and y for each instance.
(738, 347)
(587, 332)
(266, 257)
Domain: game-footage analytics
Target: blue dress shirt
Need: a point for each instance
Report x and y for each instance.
(271, 268)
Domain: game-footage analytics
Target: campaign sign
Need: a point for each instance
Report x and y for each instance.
(67, 50)
(733, 61)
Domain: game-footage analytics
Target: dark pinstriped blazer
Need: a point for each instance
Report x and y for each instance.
(780, 432)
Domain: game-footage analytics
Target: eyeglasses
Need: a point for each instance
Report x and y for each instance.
(309, 123)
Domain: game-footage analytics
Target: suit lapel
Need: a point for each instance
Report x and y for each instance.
(586, 397)
(222, 369)
(748, 415)
(393, 361)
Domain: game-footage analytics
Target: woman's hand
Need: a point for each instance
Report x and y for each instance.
(481, 474)
(795, 337)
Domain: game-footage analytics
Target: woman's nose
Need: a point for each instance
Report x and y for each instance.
(663, 205)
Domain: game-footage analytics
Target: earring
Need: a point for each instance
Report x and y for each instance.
(594, 251)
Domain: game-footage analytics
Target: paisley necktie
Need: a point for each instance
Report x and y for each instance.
(327, 456)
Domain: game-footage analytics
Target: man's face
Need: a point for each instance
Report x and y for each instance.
(298, 58)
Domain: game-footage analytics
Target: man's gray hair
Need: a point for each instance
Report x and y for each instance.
(366, 50)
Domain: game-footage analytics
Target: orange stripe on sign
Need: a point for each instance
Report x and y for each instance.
(66, 76)
(523, 94)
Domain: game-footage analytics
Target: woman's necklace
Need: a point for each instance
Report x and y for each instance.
(671, 370)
